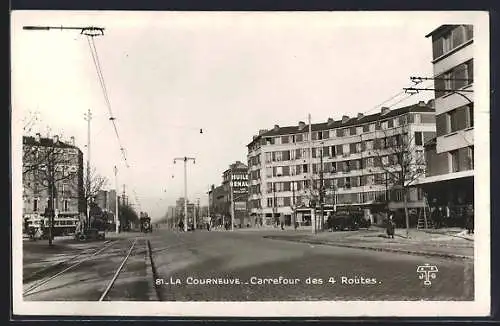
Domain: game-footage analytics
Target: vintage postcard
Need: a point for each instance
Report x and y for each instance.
(272, 164)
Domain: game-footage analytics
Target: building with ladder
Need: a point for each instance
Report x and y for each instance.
(344, 163)
(449, 181)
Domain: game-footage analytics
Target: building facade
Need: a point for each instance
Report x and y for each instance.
(235, 185)
(347, 163)
(179, 211)
(449, 180)
(218, 205)
(39, 154)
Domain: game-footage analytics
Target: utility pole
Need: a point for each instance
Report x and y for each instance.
(185, 159)
(197, 211)
(293, 204)
(313, 209)
(209, 219)
(321, 198)
(88, 118)
(274, 202)
(232, 199)
(117, 199)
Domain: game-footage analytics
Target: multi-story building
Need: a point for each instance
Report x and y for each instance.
(218, 205)
(449, 179)
(354, 157)
(102, 200)
(179, 210)
(40, 157)
(235, 185)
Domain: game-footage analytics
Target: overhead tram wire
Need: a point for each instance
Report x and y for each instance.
(95, 59)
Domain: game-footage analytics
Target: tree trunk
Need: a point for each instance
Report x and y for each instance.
(51, 209)
(406, 213)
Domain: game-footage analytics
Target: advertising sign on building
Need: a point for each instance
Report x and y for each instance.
(240, 206)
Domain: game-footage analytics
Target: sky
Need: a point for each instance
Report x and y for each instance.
(170, 74)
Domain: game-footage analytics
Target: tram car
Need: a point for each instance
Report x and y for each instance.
(145, 221)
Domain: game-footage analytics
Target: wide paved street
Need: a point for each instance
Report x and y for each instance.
(242, 265)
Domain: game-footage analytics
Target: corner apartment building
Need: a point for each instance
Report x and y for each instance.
(352, 154)
(68, 194)
(449, 180)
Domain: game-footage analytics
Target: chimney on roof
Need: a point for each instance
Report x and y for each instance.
(330, 121)
(262, 131)
(55, 139)
(421, 104)
(276, 127)
(72, 140)
(384, 110)
(345, 118)
(360, 116)
(302, 125)
(37, 138)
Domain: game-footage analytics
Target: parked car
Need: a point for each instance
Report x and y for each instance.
(347, 220)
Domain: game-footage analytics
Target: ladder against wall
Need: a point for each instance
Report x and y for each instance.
(424, 220)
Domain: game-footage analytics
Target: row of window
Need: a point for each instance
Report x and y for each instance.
(349, 165)
(351, 198)
(36, 204)
(334, 183)
(452, 39)
(351, 131)
(455, 120)
(394, 142)
(454, 79)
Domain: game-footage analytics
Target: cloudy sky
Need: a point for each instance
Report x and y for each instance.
(168, 74)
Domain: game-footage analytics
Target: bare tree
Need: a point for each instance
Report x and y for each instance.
(94, 183)
(402, 161)
(45, 165)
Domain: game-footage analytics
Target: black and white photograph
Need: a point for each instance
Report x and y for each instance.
(251, 164)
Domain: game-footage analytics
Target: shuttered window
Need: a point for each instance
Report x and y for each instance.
(441, 125)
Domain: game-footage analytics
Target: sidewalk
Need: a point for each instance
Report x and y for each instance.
(442, 243)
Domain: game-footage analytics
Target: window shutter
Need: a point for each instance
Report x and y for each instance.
(458, 36)
(439, 85)
(459, 76)
(441, 125)
(437, 48)
(461, 117)
(470, 72)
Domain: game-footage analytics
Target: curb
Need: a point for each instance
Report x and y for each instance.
(450, 235)
(411, 252)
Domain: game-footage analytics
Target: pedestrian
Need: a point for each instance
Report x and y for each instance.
(469, 212)
(390, 225)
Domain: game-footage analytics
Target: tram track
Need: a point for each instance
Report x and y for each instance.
(108, 291)
(46, 280)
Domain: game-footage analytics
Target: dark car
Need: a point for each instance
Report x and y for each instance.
(346, 220)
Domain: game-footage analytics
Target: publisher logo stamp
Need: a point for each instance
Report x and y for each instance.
(427, 272)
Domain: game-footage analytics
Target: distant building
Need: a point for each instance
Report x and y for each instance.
(68, 194)
(218, 205)
(179, 211)
(449, 179)
(112, 200)
(102, 200)
(235, 184)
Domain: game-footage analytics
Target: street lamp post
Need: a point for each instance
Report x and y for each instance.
(185, 159)
(117, 220)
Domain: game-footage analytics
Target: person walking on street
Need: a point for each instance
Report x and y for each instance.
(390, 225)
